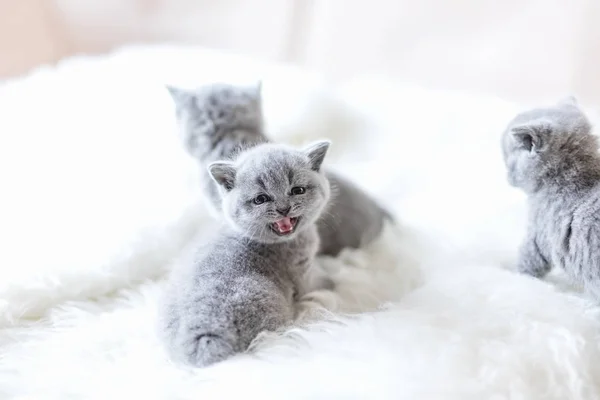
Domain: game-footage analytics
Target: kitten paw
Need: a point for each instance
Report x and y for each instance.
(209, 349)
(317, 304)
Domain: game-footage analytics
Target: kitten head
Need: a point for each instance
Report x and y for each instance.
(272, 192)
(208, 113)
(546, 145)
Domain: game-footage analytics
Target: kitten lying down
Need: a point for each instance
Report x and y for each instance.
(247, 278)
(552, 155)
(217, 121)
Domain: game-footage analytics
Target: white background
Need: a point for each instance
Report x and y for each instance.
(518, 49)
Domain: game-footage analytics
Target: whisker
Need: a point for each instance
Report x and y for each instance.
(251, 232)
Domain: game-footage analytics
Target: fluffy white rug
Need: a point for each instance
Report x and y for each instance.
(98, 200)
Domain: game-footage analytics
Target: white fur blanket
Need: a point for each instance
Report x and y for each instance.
(98, 199)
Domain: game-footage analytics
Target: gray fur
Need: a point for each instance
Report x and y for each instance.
(552, 155)
(246, 279)
(217, 121)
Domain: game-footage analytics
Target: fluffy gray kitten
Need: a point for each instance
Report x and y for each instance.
(218, 120)
(246, 279)
(552, 155)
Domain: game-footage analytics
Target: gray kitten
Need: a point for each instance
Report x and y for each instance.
(552, 155)
(217, 121)
(246, 279)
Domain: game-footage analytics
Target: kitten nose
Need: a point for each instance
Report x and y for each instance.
(284, 211)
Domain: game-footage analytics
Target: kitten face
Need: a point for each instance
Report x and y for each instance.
(272, 191)
(538, 144)
(206, 114)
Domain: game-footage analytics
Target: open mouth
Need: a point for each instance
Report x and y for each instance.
(284, 226)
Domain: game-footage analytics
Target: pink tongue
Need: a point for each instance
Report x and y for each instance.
(284, 225)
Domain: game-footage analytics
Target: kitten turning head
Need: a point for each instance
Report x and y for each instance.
(552, 145)
(272, 192)
(207, 114)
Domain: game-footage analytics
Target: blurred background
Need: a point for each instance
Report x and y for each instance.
(517, 49)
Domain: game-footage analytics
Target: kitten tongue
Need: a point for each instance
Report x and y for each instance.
(284, 225)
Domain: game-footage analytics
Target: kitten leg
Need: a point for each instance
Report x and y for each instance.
(531, 260)
(315, 297)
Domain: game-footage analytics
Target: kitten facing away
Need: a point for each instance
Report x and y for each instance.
(247, 278)
(217, 121)
(552, 155)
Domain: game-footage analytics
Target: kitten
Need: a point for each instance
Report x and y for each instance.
(246, 280)
(552, 155)
(218, 120)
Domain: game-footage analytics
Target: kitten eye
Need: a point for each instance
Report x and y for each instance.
(298, 190)
(260, 199)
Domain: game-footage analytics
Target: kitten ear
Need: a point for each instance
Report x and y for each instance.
(531, 136)
(255, 90)
(181, 97)
(316, 153)
(223, 172)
